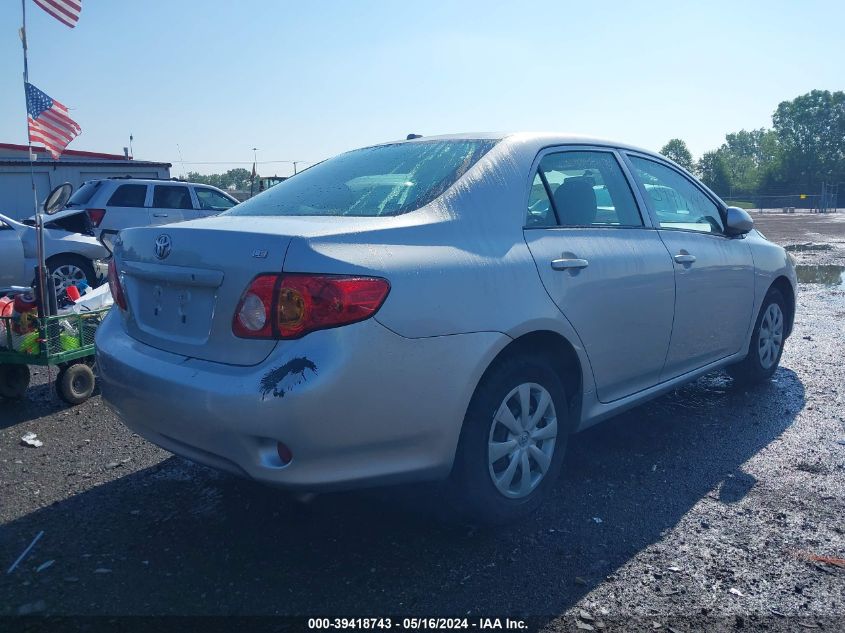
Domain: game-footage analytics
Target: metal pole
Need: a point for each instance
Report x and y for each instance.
(39, 222)
(254, 170)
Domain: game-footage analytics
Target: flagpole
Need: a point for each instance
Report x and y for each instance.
(39, 222)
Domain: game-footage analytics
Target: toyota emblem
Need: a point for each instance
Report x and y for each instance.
(162, 246)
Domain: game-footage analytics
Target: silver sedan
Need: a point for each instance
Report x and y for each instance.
(439, 308)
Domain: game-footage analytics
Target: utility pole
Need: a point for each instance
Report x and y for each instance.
(254, 163)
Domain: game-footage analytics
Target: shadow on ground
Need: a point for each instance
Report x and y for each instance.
(179, 538)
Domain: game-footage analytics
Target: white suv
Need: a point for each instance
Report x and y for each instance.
(114, 204)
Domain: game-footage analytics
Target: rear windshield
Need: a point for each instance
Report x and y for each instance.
(375, 181)
(82, 195)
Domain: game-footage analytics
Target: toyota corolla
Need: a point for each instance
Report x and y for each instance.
(439, 308)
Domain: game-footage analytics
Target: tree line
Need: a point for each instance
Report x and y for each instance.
(804, 147)
(235, 179)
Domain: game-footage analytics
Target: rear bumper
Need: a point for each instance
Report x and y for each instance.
(357, 405)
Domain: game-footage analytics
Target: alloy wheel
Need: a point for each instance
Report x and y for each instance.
(67, 275)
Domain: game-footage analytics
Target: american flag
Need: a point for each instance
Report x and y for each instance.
(65, 11)
(49, 122)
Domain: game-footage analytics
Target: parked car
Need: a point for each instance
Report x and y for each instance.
(72, 257)
(113, 204)
(436, 309)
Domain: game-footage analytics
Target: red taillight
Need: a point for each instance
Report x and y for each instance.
(115, 287)
(96, 215)
(292, 305)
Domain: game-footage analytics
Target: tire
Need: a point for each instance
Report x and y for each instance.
(759, 366)
(68, 268)
(472, 488)
(75, 383)
(14, 380)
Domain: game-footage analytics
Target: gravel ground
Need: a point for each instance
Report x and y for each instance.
(702, 510)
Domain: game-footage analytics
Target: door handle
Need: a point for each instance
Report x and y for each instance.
(159, 215)
(569, 264)
(684, 258)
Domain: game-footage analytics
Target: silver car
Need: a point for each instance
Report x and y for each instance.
(441, 308)
(72, 256)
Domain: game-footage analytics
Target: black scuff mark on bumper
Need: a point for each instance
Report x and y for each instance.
(282, 379)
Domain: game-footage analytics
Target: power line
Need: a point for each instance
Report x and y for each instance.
(244, 162)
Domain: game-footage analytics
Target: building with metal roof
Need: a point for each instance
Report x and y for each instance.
(74, 166)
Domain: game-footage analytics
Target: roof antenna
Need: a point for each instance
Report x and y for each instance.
(411, 137)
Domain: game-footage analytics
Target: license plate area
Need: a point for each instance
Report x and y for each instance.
(174, 311)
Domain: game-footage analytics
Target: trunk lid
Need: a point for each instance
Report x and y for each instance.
(183, 283)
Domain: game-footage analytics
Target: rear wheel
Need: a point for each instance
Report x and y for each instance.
(767, 340)
(75, 383)
(14, 380)
(512, 443)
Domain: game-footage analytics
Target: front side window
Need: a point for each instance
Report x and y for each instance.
(374, 181)
(677, 203)
(587, 189)
(211, 200)
(128, 196)
(4, 226)
(171, 197)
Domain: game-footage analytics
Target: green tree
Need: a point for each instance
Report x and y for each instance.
(749, 156)
(811, 133)
(237, 179)
(677, 150)
(713, 172)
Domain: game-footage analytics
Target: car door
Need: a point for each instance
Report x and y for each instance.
(12, 267)
(211, 202)
(126, 207)
(603, 265)
(170, 204)
(714, 273)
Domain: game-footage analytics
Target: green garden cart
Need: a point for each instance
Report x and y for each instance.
(65, 341)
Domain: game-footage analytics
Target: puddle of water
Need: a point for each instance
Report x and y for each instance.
(828, 275)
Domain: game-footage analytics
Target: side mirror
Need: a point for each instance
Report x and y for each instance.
(58, 198)
(737, 221)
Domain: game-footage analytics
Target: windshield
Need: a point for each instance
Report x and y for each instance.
(82, 195)
(374, 181)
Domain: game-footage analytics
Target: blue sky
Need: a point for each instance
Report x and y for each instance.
(206, 80)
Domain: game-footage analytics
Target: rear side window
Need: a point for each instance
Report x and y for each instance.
(83, 195)
(374, 181)
(677, 203)
(128, 196)
(587, 189)
(171, 197)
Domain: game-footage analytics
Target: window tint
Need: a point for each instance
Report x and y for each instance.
(589, 189)
(677, 202)
(4, 226)
(128, 196)
(171, 197)
(83, 195)
(211, 200)
(374, 181)
(540, 211)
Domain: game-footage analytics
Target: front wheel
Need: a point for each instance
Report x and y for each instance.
(69, 270)
(767, 341)
(512, 442)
